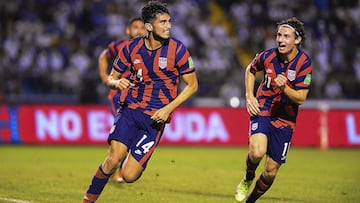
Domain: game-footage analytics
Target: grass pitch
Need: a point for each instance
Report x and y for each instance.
(61, 174)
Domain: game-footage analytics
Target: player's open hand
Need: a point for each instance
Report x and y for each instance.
(280, 81)
(124, 83)
(161, 115)
(252, 106)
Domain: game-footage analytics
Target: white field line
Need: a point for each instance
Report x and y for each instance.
(13, 200)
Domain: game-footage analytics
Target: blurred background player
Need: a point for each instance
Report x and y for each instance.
(156, 61)
(134, 28)
(287, 77)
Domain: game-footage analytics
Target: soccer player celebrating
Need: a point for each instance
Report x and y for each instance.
(287, 76)
(156, 62)
(135, 28)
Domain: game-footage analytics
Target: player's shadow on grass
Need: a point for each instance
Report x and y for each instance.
(201, 193)
(283, 199)
(187, 192)
(183, 192)
(116, 184)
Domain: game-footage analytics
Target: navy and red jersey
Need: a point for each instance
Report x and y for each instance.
(114, 48)
(155, 72)
(273, 102)
(116, 97)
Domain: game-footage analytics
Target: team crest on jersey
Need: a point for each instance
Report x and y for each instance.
(162, 62)
(291, 75)
(254, 126)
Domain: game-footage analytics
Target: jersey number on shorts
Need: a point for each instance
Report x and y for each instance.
(286, 149)
(146, 147)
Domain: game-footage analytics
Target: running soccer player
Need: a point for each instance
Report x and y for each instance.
(287, 77)
(134, 28)
(156, 61)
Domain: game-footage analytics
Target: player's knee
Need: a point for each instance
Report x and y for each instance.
(131, 177)
(257, 155)
(270, 173)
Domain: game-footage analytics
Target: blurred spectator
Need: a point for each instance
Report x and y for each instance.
(333, 89)
(50, 48)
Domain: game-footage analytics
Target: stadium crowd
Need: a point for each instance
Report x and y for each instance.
(49, 49)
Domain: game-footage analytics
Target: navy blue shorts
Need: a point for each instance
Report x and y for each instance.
(278, 138)
(138, 132)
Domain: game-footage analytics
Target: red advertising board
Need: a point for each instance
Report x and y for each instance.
(51, 124)
(64, 124)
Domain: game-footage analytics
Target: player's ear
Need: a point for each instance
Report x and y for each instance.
(148, 27)
(298, 40)
(127, 31)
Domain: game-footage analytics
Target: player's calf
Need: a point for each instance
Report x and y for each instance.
(130, 178)
(131, 173)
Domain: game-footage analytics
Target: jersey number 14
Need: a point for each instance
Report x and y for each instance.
(146, 147)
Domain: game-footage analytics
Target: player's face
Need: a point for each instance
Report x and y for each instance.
(162, 26)
(136, 29)
(286, 40)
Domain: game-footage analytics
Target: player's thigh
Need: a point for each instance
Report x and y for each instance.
(141, 151)
(258, 140)
(116, 153)
(117, 150)
(124, 128)
(144, 145)
(258, 144)
(279, 143)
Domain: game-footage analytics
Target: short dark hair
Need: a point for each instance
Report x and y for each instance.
(134, 19)
(152, 9)
(297, 25)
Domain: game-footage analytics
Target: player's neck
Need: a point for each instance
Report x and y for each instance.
(286, 58)
(152, 44)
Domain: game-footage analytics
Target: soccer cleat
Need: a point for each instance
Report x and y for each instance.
(120, 180)
(86, 200)
(242, 190)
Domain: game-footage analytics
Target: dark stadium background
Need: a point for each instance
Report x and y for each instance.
(49, 49)
(49, 52)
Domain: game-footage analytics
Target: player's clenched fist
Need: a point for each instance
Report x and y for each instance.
(123, 83)
(280, 81)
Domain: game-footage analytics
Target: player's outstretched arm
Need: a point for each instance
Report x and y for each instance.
(252, 105)
(191, 88)
(102, 66)
(116, 82)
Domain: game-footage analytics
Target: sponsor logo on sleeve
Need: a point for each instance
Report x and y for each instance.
(307, 79)
(191, 63)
